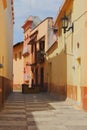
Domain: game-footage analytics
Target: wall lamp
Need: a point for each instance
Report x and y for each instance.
(65, 25)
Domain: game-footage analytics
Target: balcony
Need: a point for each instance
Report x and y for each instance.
(40, 56)
(33, 38)
(37, 58)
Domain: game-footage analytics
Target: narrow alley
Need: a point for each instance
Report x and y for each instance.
(39, 112)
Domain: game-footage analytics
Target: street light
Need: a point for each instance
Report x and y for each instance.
(65, 24)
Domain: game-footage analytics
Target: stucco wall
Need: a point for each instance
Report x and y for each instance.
(73, 47)
(43, 30)
(6, 43)
(18, 64)
(6, 39)
(57, 72)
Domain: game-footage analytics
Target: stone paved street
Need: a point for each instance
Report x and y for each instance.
(40, 112)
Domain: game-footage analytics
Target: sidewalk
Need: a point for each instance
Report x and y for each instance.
(40, 112)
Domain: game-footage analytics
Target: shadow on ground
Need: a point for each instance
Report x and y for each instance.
(19, 110)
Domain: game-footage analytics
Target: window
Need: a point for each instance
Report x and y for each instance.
(42, 45)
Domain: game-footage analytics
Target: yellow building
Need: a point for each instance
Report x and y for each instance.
(27, 26)
(35, 45)
(39, 44)
(6, 43)
(67, 58)
(18, 66)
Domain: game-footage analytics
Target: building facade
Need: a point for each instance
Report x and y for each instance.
(67, 59)
(34, 51)
(39, 44)
(6, 42)
(28, 25)
(18, 65)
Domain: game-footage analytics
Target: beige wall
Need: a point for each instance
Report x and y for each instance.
(76, 59)
(78, 18)
(43, 31)
(42, 28)
(57, 74)
(6, 45)
(6, 40)
(26, 54)
(18, 64)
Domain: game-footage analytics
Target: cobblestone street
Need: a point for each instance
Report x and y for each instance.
(40, 112)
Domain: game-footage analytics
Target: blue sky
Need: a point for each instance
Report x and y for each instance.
(24, 8)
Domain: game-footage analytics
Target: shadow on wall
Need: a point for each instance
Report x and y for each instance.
(6, 87)
(57, 75)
